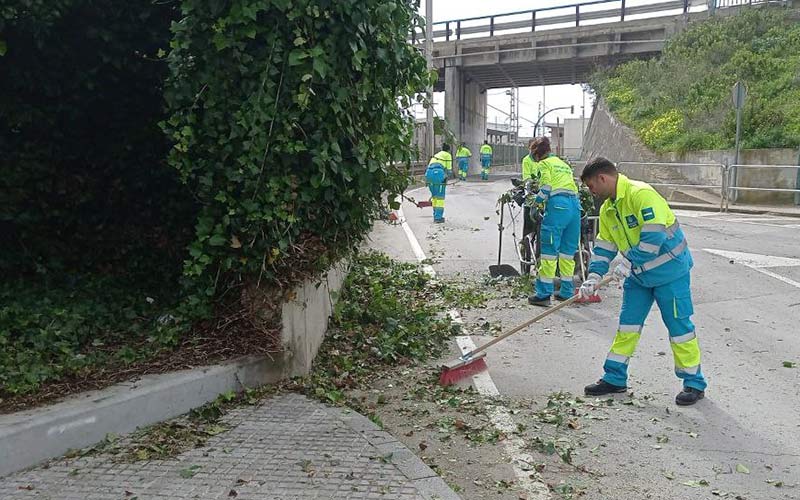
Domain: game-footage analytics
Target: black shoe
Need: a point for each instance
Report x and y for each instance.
(539, 301)
(562, 299)
(602, 388)
(689, 396)
(438, 221)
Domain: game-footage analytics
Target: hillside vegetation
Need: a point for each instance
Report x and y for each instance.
(682, 100)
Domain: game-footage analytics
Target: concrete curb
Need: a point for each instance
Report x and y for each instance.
(429, 484)
(30, 437)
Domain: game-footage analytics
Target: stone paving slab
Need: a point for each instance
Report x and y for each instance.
(290, 447)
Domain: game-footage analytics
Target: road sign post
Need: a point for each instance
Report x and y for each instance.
(739, 94)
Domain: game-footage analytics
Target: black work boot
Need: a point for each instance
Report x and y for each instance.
(602, 388)
(689, 396)
(539, 301)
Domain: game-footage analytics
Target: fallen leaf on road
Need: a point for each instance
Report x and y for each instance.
(789, 364)
(741, 469)
(233, 494)
(189, 472)
(422, 445)
(669, 475)
(695, 484)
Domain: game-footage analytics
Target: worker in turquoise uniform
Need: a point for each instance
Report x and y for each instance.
(529, 168)
(561, 225)
(436, 177)
(462, 159)
(637, 222)
(486, 160)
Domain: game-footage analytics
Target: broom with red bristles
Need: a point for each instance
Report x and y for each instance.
(473, 362)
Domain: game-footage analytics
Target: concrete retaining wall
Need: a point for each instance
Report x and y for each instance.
(30, 437)
(606, 136)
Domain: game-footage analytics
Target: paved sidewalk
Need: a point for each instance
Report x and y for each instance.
(290, 447)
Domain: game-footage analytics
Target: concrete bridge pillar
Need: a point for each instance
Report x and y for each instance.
(465, 112)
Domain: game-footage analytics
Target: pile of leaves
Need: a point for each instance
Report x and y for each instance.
(682, 100)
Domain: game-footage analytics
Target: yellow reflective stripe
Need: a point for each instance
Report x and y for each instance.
(625, 343)
(686, 354)
(437, 202)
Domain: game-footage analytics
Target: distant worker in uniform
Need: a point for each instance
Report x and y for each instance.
(529, 168)
(462, 158)
(637, 222)
(436, 177)
(486, 160)
(561, 225)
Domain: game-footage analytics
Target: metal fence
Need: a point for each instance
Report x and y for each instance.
(720, 184)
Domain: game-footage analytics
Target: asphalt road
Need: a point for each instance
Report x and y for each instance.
(746, 287)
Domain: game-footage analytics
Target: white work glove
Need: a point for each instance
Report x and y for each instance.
(623, 270)
(590, 286)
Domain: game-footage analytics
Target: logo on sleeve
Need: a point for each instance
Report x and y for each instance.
(631, 220)
(648, 214)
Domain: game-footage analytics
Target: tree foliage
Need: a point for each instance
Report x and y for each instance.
(284, 116)
(682, 99)
(84, 183)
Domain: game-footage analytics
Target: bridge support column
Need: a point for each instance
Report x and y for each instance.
(465, 112)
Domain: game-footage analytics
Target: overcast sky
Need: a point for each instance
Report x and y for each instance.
(530, 97)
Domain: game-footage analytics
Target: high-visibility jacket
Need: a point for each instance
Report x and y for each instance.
(463, 152)
(486, 149)
(556, 178)
(443, 157)
(639, 223)
(530, 169)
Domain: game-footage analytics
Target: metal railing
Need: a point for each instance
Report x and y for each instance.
(720, 186)
(574, 15)
(727, 180)
(732, 189)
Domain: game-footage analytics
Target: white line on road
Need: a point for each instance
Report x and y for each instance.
(759, 262)
(521, 461)
(500, 416)
(415, 246)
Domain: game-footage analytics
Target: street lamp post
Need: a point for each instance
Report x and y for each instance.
(536, 126)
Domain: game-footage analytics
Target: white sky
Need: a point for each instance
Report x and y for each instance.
(530, 97)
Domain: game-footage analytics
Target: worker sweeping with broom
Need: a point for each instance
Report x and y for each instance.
(436, 177)
(637, 222)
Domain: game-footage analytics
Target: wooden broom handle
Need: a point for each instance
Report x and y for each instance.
(533, 320)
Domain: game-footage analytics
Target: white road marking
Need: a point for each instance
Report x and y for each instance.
(500, 416)
(759, 262)
(521, 461)
(415, 246)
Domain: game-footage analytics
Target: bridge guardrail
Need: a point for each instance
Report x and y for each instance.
(574, 14)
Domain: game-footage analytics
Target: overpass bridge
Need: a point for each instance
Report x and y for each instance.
(552, 46)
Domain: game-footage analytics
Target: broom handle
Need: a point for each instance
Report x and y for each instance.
(528, 323)
(500, 244)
